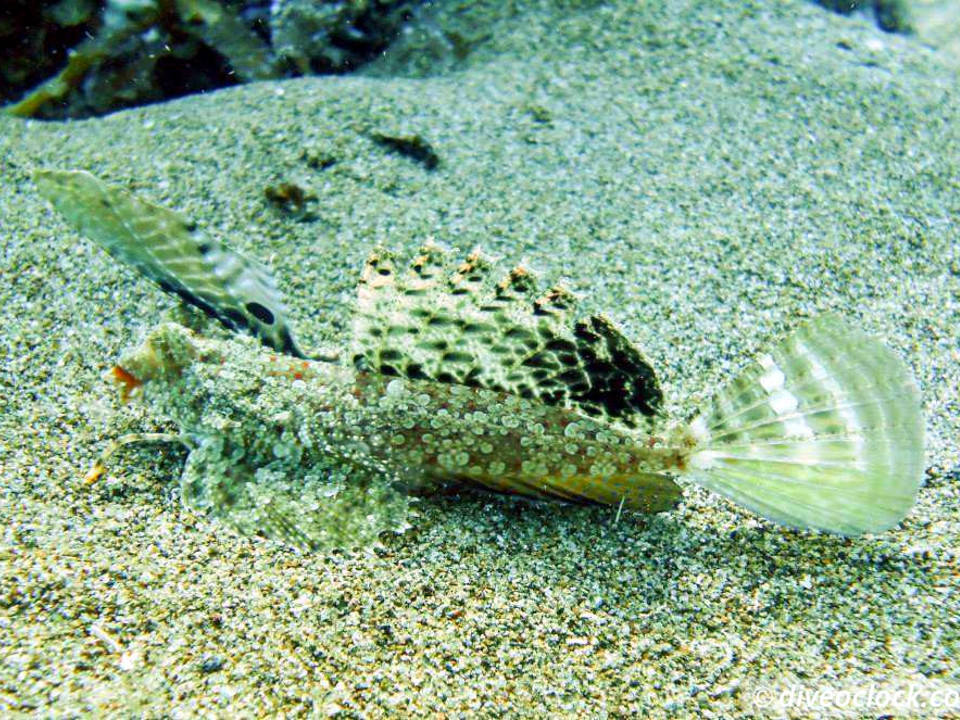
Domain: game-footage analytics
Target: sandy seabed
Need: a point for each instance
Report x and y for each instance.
(706, 174)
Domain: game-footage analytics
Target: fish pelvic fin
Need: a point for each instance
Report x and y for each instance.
(175, 253)
(824, 431)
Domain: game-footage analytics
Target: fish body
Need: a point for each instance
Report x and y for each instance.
(457, 372)
(258, 423)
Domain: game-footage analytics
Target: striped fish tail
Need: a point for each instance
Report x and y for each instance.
(824, 431)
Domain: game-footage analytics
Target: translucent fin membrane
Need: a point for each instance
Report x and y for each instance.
(824, 431)
(328, 506)
(173, 252)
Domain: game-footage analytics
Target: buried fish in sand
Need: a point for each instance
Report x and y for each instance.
(462, 373)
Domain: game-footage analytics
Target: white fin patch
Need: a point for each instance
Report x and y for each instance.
(824, 431)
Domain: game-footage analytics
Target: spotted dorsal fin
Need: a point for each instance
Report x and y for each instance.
(471, 324)
(174, 253)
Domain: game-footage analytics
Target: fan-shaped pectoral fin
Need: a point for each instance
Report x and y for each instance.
(323, 506)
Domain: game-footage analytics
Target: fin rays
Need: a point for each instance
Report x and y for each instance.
(466, 323)
(824, 431)
(171, 251)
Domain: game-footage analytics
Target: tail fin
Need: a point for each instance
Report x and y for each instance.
(824, 431)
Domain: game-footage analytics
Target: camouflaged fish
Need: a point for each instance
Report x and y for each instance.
(459, 373)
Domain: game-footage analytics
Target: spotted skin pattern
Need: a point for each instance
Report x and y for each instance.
(475, 323)
(259, 423)
(460, 373)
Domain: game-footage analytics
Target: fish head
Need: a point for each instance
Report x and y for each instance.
(163, 355)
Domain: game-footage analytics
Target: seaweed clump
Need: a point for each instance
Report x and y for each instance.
(411, 146)
(34, 38)
(139, 51)
(324, 36)
(292, 200)
(890, 15)
(109, 54)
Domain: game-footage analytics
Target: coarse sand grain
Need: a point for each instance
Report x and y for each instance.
(707, 174)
